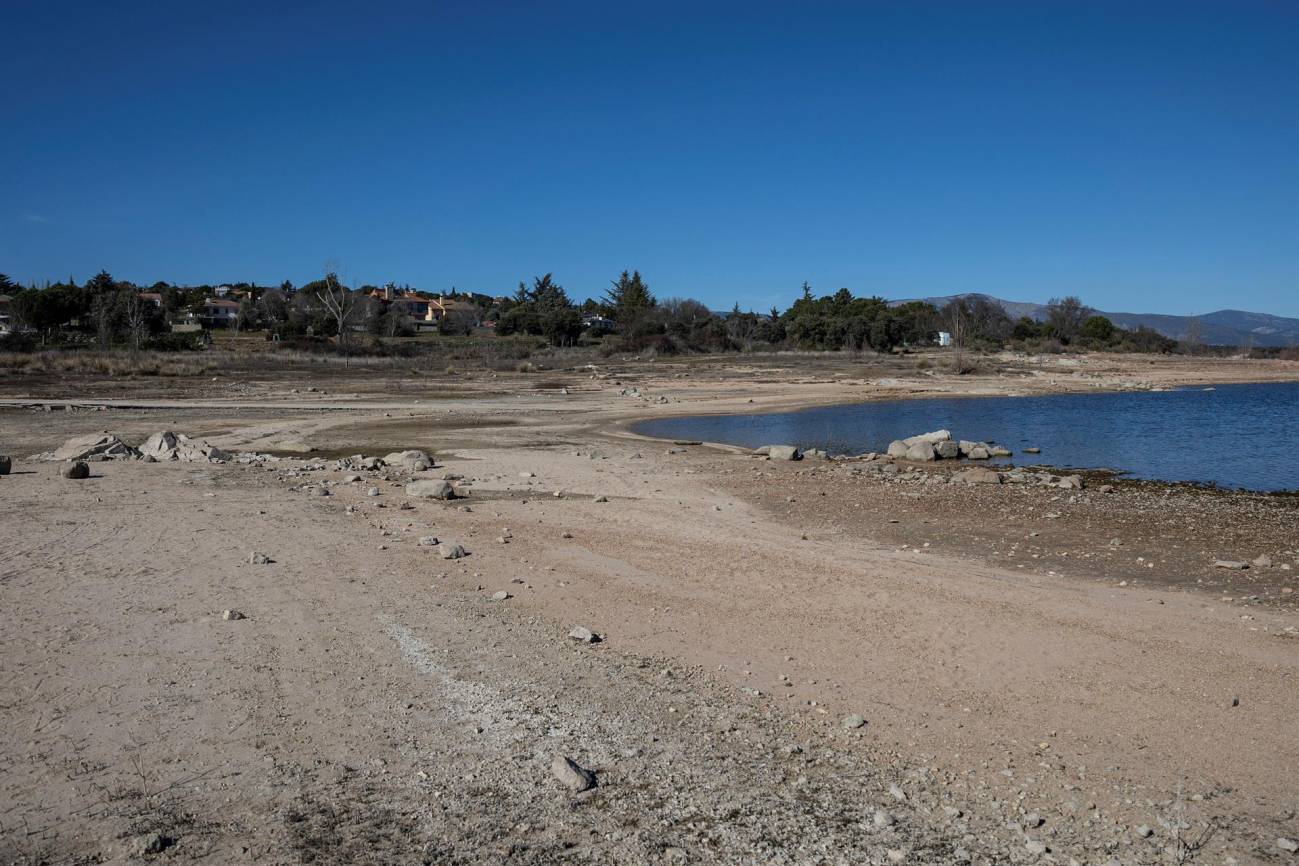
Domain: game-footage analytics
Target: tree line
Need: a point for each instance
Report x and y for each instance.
(627, 317)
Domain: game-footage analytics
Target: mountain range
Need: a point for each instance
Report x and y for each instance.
(1220, 328)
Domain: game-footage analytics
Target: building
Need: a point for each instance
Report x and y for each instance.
(944, 338)
(219, 313)
(597, 324)
(6, 324)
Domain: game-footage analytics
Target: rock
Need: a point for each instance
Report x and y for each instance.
(232, 614)
(921, 452)
(320, 491)
(76, 471)
(764, 451)
(1144, 832)
(978, 475)
(573, 776)
(1071, 482)
(897, 793)
(601, 499)
(1033, 450)
(411, 461)
(1232, 564)
(6, 464)
(1263, 561)
(527, 475)
(784, 452)
(998, 451)
(583, 635)
(150, 843)
(853, 722)
(374, 491)
(1289, 845)
(1035, 846)
(501, 595)
(451, 551)
(947, 449)
(104, 446)
(898, 448)
(432, 488)
(167, 445)
(929, 438)
(428, 541)
(883, 819)
(255, 558)
(979, 452)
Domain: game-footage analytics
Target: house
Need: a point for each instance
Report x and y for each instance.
(219, 313)
(154, 298)
(442, 306)
(944, 338)
(6, 324)
(597, 324)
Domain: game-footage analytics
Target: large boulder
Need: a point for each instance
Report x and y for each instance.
(1071, 482)
(177, 446)
(411, 460)
(929, 438)
(978, 475)
(75, 470)
(922, 452)
(97, 446)
(432, 488)
(898, 448)
(947, 449)
(784, 452)
(978, 451)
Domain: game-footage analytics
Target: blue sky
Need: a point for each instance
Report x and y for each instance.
(1140, 155)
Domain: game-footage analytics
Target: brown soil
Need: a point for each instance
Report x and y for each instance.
(377, 706)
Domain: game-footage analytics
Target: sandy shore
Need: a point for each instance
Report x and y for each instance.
(1028, 691)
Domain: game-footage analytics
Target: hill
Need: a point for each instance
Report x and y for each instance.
(1220, 328)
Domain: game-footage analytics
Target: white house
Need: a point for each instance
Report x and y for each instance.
(944, 338)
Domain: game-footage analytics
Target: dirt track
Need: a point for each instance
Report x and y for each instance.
(378, 706)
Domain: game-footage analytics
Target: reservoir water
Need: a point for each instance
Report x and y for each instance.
(1234, 436)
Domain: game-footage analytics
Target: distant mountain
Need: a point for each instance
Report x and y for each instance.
(1222, 328)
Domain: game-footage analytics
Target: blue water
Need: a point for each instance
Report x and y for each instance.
(1236, 436)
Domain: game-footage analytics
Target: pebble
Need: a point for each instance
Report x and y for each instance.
(232, 615)
(501, 595)
(853, 722)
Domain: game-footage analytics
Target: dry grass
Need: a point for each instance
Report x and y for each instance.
(106, 363)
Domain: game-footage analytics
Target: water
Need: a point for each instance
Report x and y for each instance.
(1236, 436)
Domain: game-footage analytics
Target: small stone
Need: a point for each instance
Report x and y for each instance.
(581, 634)
(573, 776)
(1035, 846)
(883, 819)
(451, 551)
(255, 558)
(1289, 845)
(373, 491)
(897, 793)
(1144, 831)
(601, 499)
(1263, 561)
(853, 722)
(1231, 564)
(232, 615)
(428, 541)
(501, 595)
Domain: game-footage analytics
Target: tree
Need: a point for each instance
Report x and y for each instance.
(246, 317)
(137, 313)
(630, 302)
(1098, 330)
(1194, 339)
(338, 303)
(1065, 316)
(957, 319)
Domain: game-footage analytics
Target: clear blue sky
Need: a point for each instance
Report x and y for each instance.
(1144, 156)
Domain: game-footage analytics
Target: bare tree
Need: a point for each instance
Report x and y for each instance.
(138, 312)
(956, 316)
(338, 302)
(1194, 335)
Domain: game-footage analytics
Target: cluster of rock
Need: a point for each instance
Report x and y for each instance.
(939, 445)
(162, 446)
